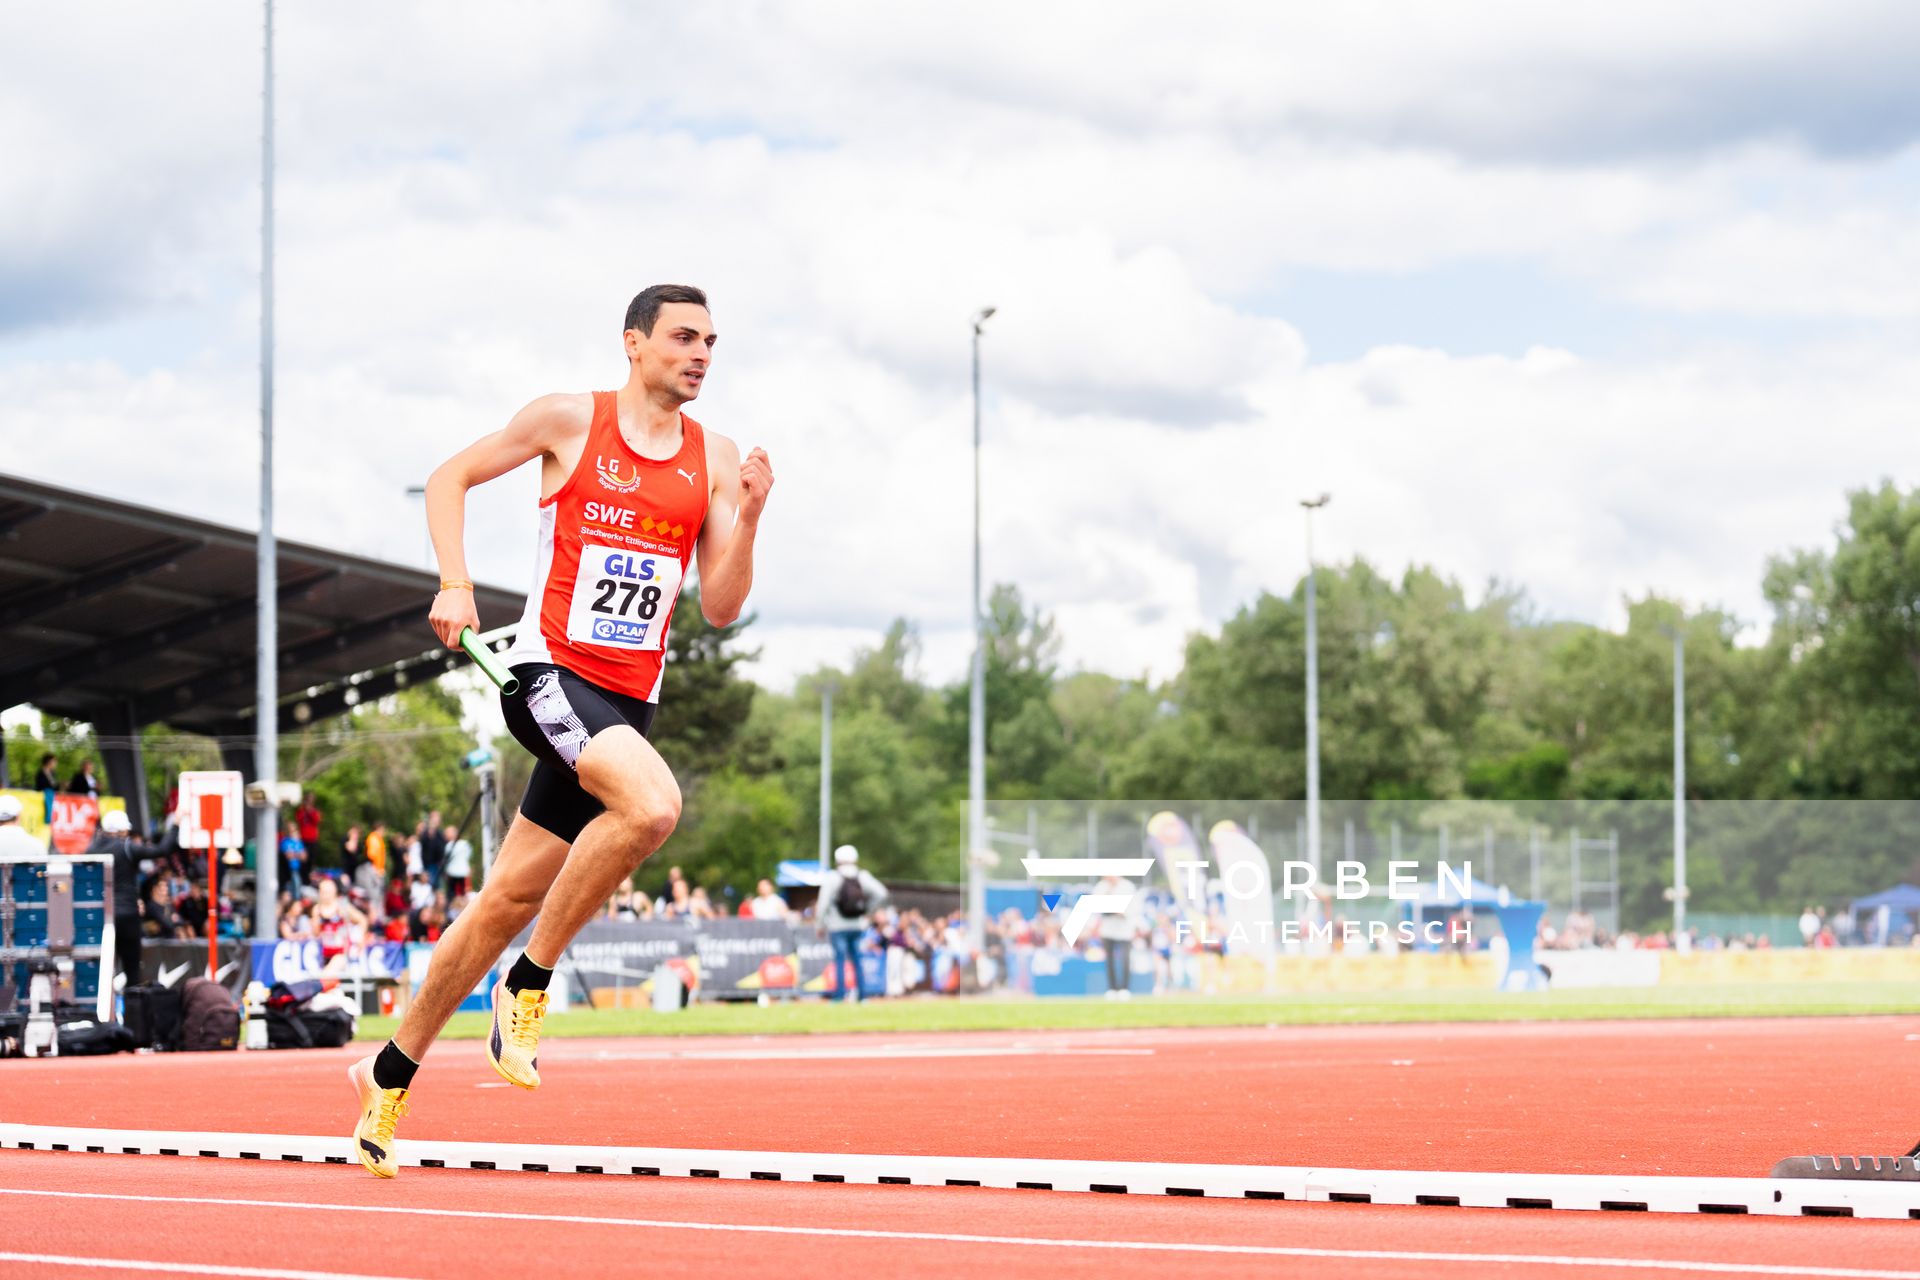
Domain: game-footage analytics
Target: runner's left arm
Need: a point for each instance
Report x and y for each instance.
(725, 549)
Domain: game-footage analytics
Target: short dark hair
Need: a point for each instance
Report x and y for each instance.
(645, 307)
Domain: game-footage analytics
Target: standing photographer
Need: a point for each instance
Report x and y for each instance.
(848, 898)
(116, 838)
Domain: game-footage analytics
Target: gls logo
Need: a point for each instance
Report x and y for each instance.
(1088, 905)
(609, 472)
(636, 568)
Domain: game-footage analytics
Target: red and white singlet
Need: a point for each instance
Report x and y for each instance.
(613, 548)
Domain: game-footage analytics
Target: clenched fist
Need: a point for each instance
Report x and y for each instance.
(452, 610)
(756, 481)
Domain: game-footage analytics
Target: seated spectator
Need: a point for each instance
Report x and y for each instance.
(678, 904)
(337, 924)
(192, 911)
(421, 892)
(426, 923)
(295, 924)
(701, 906)
(766, 904)
(369, 882)
(161, 922)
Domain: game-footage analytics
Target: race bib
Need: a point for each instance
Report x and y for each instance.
(621, 598)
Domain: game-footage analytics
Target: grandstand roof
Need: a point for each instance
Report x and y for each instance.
(122, 614)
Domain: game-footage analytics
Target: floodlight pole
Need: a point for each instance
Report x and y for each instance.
(1679, 784)
(977, 695)
(826, 772)
(1313, 697)
(266, 857)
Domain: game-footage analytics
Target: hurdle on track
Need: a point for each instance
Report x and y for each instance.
(1794, 1197)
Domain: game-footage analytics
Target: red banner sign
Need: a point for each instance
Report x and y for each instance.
(74, 819)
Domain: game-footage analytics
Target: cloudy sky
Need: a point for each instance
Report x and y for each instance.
(1595, 301)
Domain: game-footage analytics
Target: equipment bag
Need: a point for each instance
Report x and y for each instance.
(154, 1016)
(850, 899)
(326, 1028)
(286, 1030)
(209, 1017)
(292, 995)
(81, 1037)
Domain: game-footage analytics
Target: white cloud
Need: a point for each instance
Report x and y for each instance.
(469, 195)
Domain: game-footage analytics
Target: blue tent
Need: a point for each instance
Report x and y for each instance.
(795, 874)
(1891, 909)
(1902, 897)
(1431, 899)
(1519, 922)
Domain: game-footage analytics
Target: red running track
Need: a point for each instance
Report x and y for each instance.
(1705, 1097)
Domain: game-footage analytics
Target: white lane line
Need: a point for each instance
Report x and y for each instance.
(837, 1053)
(177, 1268)
(1042, 1242)
(1772, 1197)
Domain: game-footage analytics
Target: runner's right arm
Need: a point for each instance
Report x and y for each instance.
(537, 431)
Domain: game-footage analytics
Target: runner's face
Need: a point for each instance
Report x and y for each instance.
(673, 359)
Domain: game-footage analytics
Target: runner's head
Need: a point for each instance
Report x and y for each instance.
(669, 337)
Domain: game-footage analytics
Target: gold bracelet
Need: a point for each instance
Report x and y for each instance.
(454, 583)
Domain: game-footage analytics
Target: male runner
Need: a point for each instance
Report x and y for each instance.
(631, 489)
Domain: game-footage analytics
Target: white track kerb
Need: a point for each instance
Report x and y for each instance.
(1792, 1197)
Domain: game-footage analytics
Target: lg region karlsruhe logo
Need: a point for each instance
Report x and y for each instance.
(1088, 905)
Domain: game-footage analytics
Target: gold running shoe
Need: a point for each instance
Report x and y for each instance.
(514, 1046)
(380, 1110)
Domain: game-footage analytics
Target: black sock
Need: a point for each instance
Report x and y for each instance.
(527, 976)
(394, 1069)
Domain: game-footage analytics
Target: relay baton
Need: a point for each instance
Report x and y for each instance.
(484, 659)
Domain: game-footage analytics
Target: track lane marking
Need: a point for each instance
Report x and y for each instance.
(864, 1053)
(1049, 1242)
(175, 1268)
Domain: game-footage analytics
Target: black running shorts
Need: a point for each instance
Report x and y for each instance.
(555, 715)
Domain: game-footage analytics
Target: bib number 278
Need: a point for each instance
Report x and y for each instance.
(621, 598)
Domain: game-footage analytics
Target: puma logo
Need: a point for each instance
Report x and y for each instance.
(691, 476)
(372, 1149)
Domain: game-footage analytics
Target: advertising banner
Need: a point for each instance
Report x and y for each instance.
(35, 810)
(741, 958)
(172, 961)
(1249, 888)
(286, 961)
(74, 818)
(1171, 842)
(813, 958)
(613, 961)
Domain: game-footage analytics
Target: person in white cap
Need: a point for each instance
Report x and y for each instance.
(849, 895)
(15, 844)
(115, 838)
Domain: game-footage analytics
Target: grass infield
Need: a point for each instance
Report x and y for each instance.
(925, 1013)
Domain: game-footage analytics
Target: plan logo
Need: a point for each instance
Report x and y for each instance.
(1088, 905)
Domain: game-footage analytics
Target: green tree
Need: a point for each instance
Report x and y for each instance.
(737, 830)
(1846, 640)
(705, 702)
